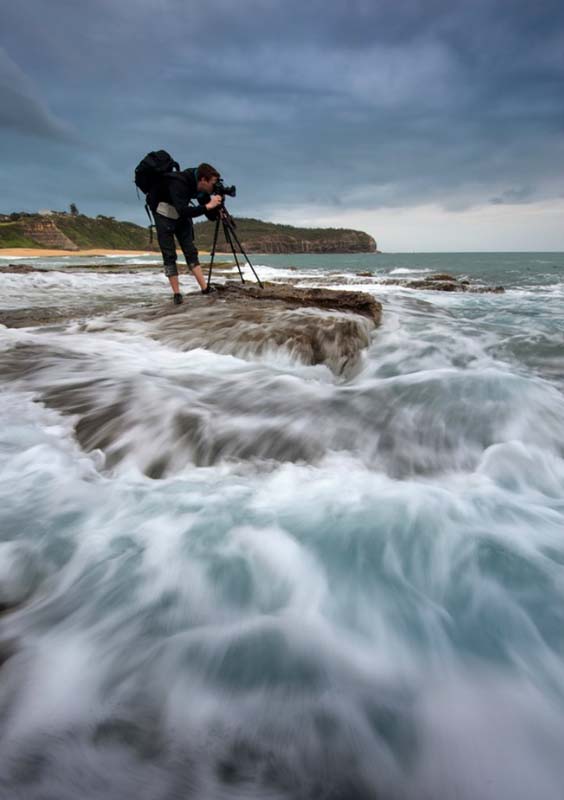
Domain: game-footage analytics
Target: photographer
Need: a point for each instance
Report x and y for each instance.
(169, 201)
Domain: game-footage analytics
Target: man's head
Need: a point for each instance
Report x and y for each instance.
(207, 178)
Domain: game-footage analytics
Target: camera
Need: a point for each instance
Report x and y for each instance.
(223, 190)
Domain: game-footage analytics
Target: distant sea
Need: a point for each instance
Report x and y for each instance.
(511, 269)
(357, 593)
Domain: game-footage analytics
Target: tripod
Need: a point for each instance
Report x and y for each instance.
(225, 219)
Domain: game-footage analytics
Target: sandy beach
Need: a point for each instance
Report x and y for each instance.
(39, 252)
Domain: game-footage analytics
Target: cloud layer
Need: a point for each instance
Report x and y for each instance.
(340, 106)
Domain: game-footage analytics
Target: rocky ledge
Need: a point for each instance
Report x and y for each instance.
(19, 268)
(278, 323)
(315, 326)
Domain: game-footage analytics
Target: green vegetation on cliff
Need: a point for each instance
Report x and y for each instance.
(103, 232)
(12, 235)
(74, 231)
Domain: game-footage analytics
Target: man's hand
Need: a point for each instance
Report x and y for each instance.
(215, 201)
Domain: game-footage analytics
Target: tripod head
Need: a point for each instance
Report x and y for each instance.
(225, 216)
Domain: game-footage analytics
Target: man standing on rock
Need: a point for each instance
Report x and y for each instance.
(170, 203)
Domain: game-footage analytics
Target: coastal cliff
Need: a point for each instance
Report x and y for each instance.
(65, 231)
(257, 236)
(46, 233)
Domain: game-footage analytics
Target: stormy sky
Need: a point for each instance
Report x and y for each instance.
(433, 125)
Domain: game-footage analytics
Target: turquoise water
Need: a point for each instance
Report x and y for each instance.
(341, 586)
(508, 269)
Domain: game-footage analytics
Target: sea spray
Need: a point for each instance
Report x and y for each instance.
(334, 586)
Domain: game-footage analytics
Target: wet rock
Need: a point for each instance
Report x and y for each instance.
(443, 282)
(31, 317)
(19, 268)
(356, 302)
(117, 414)
(316, 326)
(443, 277)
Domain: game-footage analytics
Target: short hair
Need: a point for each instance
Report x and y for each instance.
(206, 171)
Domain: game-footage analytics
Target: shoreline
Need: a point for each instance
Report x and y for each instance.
(40, 252)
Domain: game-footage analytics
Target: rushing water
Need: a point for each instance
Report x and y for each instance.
(340, 587)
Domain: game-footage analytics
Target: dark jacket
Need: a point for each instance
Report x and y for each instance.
(178, 188)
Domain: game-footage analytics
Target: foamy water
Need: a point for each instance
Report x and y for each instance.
(344, 587)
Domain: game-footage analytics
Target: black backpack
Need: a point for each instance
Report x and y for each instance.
(152, 169)
(149, 172)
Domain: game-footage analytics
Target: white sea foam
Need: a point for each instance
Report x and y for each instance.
(408, 271)
(356, 589)
(148, 254)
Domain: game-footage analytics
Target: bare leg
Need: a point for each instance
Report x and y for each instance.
(175, 286)
(199, 275)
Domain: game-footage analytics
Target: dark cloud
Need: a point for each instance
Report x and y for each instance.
(22, 109)
(341, 105)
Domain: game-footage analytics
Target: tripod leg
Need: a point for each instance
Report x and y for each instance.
(229, 240)
(213, 251)
(234, 235)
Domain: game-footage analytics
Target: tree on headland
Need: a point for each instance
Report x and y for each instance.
(74, 210)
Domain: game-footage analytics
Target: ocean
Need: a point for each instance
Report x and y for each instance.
(343, 586)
